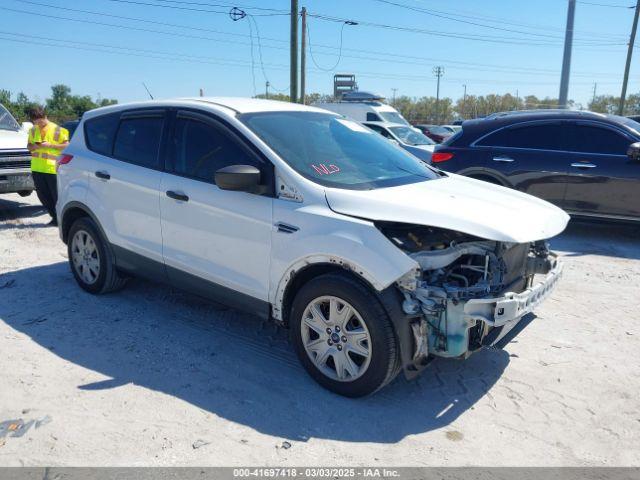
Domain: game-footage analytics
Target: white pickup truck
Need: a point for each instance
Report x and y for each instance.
(15, 159)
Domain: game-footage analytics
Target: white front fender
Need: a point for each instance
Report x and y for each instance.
(324, 237)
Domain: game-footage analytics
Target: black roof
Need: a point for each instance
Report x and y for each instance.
(472, 129)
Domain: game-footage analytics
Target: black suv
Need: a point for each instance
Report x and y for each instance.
(584, 162)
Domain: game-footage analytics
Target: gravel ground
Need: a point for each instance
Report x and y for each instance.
(153, 376)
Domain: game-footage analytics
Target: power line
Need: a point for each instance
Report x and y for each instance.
(493, 39)
(188, 58)
(192, 9)
(475, 37)
(242, 7)
(136, 19)
(313, 58)
(390, 57)
(606, 5)
(439, 14)
(475, 16)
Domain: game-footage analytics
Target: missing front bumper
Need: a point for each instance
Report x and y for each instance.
(510, 307)
(464, 326)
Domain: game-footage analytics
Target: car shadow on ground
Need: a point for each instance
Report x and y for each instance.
(233, 365)
(11, 210)
(610, 239)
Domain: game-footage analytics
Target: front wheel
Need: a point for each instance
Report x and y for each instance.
(343, 336)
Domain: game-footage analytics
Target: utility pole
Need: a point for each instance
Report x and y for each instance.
(464, 101)
(517, 99)
(438, 72)
(394, 90)
(293, 61)
(627, 67)
(266, 90)
(303, 56)
(595, 88)
(201, 92)
(566, 59)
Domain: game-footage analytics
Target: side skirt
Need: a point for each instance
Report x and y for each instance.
(139, 266)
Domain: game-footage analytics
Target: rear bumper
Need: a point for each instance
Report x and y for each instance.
(511, 307)
(15, 180)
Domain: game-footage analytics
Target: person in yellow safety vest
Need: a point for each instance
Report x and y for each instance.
(46, 141)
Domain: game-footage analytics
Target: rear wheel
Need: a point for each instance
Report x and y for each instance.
(90, 258)
(343, 336)
(25, 193)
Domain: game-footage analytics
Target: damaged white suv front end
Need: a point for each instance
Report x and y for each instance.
(468, 292)
(482, 260)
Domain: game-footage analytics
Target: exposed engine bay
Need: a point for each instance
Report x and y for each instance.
(466, 289)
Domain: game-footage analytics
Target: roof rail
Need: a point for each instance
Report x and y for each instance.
(539, 110)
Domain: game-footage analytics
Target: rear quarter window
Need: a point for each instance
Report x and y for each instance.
(99, 133)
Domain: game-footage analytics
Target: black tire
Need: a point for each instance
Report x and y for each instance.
(384, 361)
(108, 278)
(25, 193)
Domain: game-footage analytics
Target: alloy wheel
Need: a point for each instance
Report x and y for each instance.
(336, 338)
(85, 257)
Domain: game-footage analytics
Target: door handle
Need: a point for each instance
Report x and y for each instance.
(583, 165)
(177, 196)
(503, 159)
(103, 175)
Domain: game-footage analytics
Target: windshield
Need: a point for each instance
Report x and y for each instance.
(409, 136)
(393, 117)
(440, 130)
(336, 152)
(7, 122)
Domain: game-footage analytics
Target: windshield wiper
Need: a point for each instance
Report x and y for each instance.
(412, 173)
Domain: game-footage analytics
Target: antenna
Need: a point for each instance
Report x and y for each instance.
(145, 87)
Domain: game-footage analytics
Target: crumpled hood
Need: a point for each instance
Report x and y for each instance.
(10, 139)
(456, 203)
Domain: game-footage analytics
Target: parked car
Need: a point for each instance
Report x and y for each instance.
(452, 128)
(15, 159)
(364, 110)
(587, 163)
(71, 126)
(375, 261)
(412, 140)
(435, 132)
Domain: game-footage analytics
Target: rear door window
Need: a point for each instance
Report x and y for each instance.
(586, 138)
(138, 139)
(100, 132)
(547, 136)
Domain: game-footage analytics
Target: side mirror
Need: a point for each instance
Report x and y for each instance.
(634, 152)
(26, 126)
(240, 178)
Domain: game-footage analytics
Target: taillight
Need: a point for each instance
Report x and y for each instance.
(437, 157)
(63, 160)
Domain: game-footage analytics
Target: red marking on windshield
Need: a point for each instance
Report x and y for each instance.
(323, 169)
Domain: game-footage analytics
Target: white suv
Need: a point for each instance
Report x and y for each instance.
(375, 261)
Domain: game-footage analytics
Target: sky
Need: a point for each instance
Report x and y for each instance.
(108, 48)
